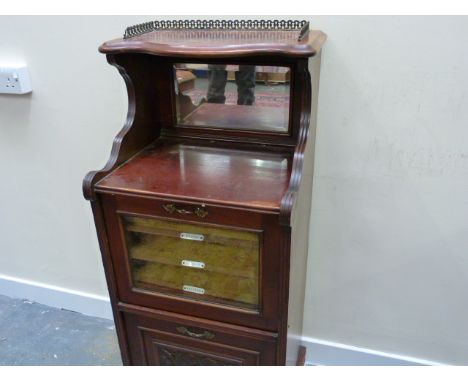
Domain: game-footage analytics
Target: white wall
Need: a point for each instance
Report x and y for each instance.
(49, 140)
(387, 268)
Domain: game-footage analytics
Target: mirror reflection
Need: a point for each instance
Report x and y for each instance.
(236, 97)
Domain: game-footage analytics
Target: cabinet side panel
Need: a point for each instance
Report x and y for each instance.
(99, 220)
(300, 229)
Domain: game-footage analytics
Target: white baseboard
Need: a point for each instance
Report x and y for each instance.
(326, 353)
(85, 303)
(319, 352)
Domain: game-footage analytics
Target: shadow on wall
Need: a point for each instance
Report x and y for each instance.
(15, 113)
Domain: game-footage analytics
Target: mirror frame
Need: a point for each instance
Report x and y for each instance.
(177, 124)
(286, 139)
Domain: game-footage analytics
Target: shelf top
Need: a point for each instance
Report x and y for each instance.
(284, 39)
(235, 177)
(242, 117)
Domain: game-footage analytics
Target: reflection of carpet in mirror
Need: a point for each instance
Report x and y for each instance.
(261, 98)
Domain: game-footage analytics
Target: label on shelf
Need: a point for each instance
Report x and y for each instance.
(191, 236)
(193, 264)
(193, 289)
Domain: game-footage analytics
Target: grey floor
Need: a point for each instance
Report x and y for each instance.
(35, 334)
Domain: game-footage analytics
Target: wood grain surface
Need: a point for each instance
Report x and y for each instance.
(216, 43)
(222, 176)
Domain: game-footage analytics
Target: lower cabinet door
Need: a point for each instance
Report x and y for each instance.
(166, 339)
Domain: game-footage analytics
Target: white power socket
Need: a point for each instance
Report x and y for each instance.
(15, 80)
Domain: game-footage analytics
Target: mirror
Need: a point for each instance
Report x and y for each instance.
(235, 97)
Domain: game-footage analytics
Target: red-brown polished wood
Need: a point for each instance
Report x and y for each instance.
(240, 117)
(242, 179)
(221, 43)
(267, 316)
(158, 341)
(246, 178)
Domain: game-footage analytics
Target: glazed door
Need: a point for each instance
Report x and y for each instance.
(195, 261)
(226, 261)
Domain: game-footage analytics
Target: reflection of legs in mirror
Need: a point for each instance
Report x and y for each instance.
(245, 80)
(217, 78)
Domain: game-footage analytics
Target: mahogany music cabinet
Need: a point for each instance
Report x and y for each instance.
(202, 211)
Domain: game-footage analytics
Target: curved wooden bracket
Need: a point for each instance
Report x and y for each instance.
(141, 126)
(290, 197)
(116, 156)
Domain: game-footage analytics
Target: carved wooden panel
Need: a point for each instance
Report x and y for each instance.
(166, 349)
(158, 340)
(171, 356)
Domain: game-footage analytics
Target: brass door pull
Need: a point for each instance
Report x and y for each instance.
(206, 334)
(199, 211)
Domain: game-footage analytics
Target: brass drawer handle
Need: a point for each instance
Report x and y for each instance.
(199, 211)
(206, 334)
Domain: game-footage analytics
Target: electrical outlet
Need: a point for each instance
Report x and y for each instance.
(15, 80)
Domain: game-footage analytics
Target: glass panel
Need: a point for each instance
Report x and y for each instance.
(237, 97)
(198, 262)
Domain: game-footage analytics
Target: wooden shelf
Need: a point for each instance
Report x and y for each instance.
(226, 251)
(231, 237)
(146, 286)
(249, 274)
(218, 285)
(252, 179)
(243, 117)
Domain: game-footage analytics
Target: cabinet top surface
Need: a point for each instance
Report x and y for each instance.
(244, 178)
(219, 43)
